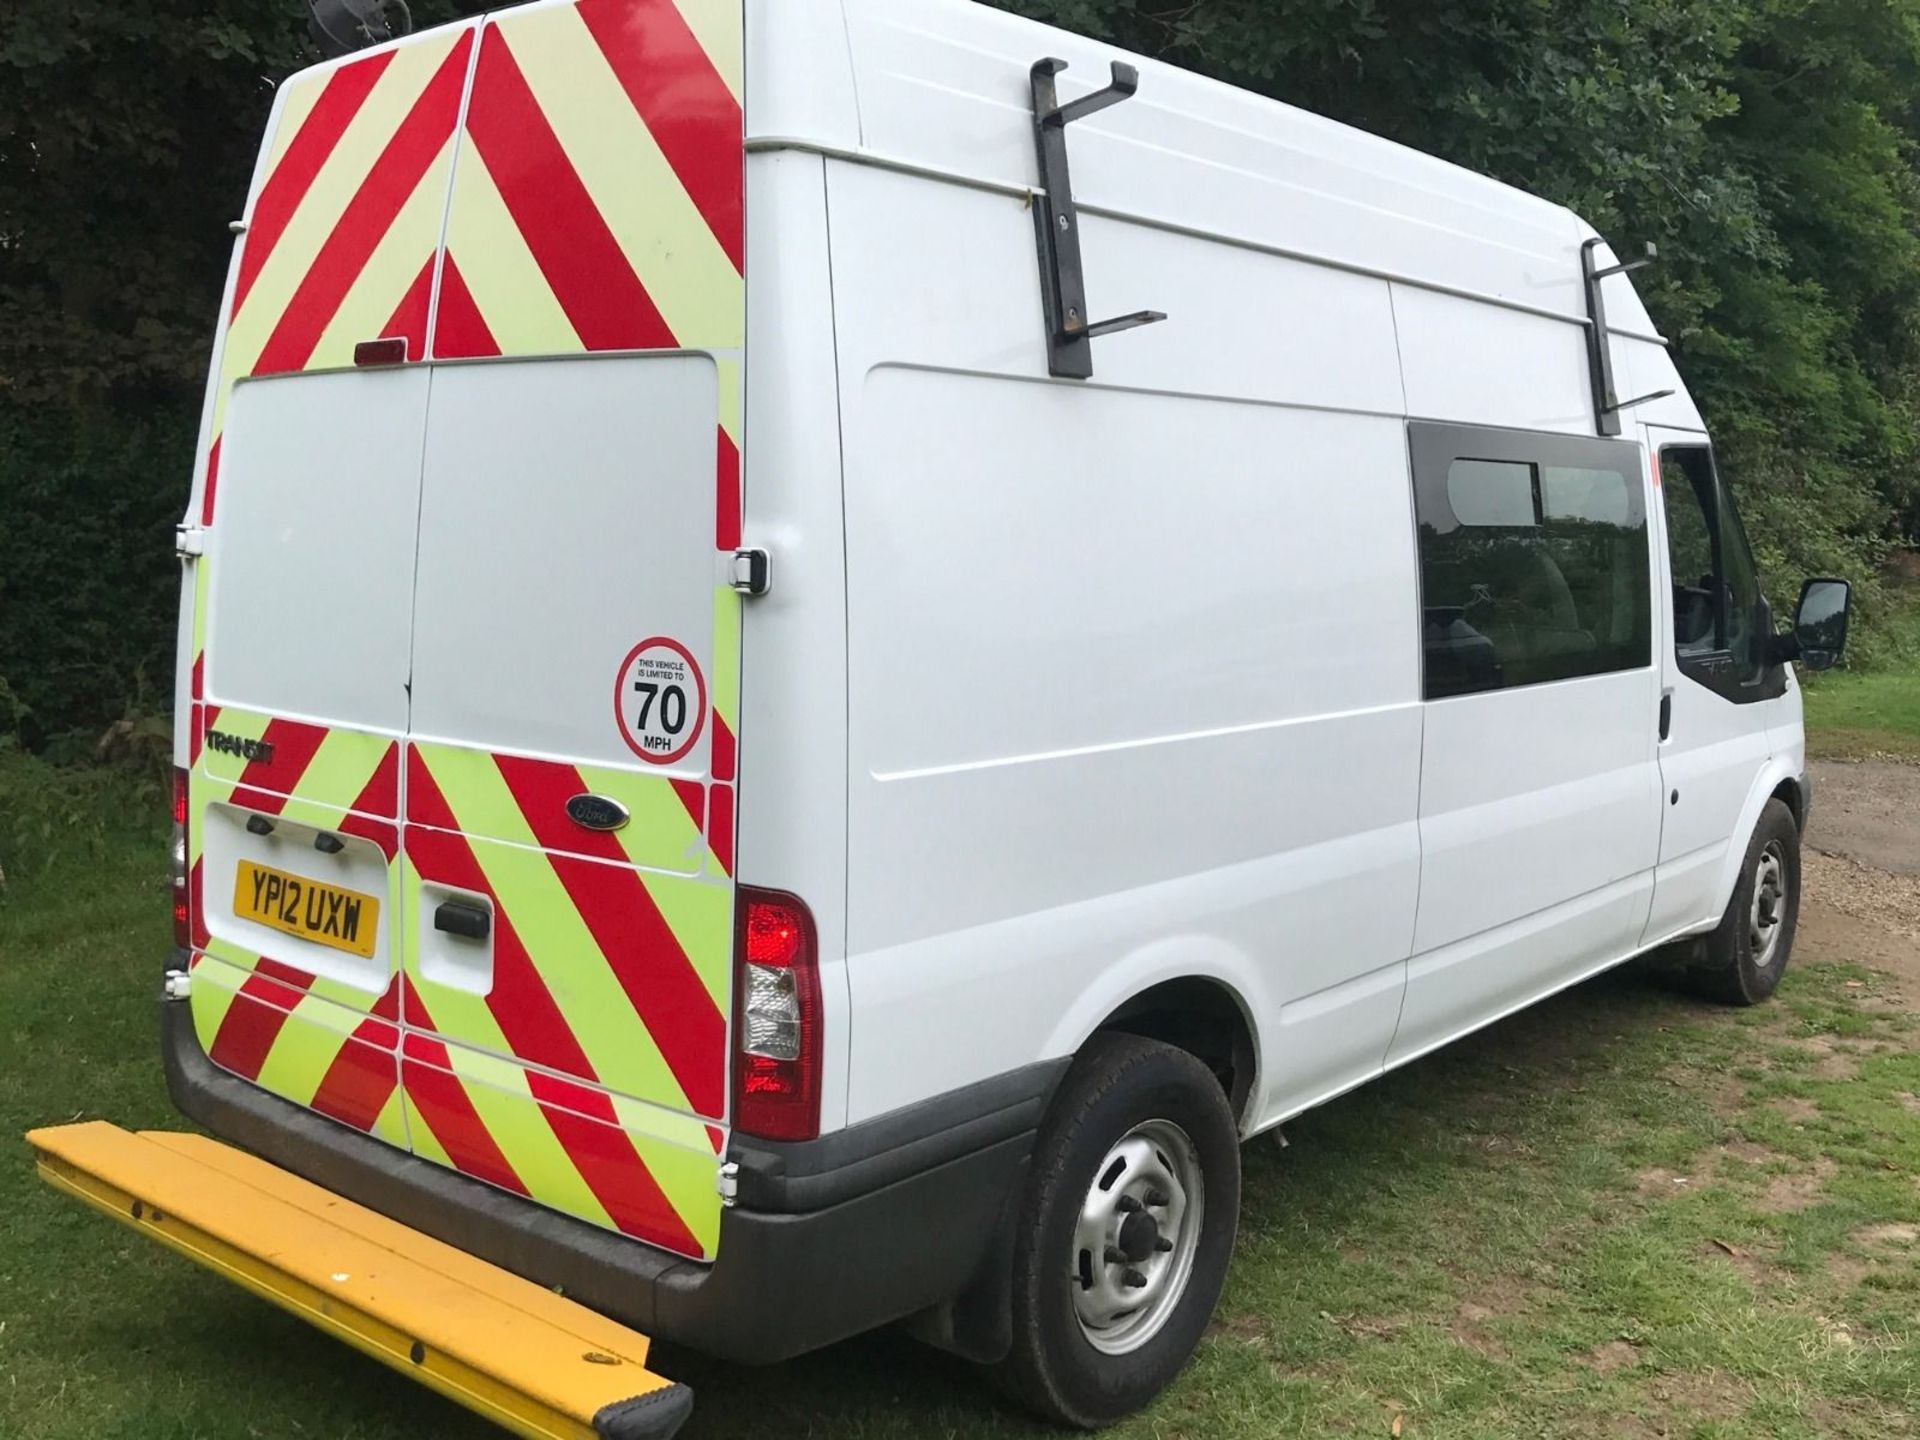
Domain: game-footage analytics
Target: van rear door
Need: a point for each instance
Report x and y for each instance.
(567, 924)
(307, 500)
(466, 659)
(294, 790)
(568, 903)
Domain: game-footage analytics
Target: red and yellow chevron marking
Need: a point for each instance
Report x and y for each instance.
(602, 971)
(610, 1161)
(266, 1024)
(599, 204)
(598, 200)
(309, 1038)
(343, 229)
(668, 814)
(593, 201)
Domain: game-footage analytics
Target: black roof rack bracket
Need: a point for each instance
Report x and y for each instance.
(1056, 221)
(1607, 403)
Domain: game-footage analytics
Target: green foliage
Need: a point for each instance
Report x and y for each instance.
(89, 587)
(56, 818)
(1767, 145)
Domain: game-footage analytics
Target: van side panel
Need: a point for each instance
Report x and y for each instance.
(1137, 705)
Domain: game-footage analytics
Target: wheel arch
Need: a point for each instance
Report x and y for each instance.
(1776, 780)
(1199, 1010)
(1792, 791)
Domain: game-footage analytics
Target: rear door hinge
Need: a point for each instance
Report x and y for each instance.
(752, 572)
(189, 541)
(728, 1183)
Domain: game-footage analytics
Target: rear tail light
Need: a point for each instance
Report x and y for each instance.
(778, 1040)
(182, 908)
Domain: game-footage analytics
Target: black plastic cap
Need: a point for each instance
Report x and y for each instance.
(657, 1415)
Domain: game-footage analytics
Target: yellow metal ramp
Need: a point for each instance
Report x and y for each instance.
(520, 1355)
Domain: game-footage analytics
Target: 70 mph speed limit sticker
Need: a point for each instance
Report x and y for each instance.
(660, 701)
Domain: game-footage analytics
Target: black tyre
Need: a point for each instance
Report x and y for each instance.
(1122, 1244)
(1742, 961)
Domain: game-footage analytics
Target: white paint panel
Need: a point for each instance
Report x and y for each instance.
(793, 712)
(1531, 797)
(1714, 752)
(1133, 666)
(1053, 570)
(567, 517)
(1460, 988)
(1469, 363)
(952, 282)
(312, 554)
(799, 74)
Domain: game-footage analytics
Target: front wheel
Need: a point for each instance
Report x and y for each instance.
(1125, 1234)
(1742, 961)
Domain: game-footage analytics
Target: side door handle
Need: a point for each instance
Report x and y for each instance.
(469, 922)
(1666, 714)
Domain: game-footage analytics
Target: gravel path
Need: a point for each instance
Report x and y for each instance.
(1862, 882)
(1868, 811)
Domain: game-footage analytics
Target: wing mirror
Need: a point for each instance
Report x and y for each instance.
(1819, 625)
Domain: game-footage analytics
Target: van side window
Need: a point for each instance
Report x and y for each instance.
(1693, 550)
(1534, 561)
(1717, 607)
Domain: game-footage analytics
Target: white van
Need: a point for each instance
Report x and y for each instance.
(747, 755)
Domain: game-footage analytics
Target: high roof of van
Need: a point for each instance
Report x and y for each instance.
(943, 86)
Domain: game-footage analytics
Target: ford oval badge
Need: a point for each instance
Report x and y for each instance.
(597, 812)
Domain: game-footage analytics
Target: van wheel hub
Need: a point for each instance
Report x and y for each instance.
(1135, 1242)
(1769, 904)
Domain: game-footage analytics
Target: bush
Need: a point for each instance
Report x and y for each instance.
(51, 813)
(89, 586)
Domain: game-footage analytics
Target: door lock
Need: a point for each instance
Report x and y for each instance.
(752, 572)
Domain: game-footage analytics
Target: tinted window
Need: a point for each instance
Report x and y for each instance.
(1699, 619)
(1533, 558)
(1716, 587)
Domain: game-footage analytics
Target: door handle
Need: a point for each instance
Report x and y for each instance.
(469, 922)
(1666, 715)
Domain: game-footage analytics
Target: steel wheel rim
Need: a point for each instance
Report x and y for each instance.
(1766, 916)
(1137, 1237)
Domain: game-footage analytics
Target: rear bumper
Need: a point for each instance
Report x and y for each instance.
(827, 1240)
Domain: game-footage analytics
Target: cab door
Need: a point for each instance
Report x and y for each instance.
(1716, 684)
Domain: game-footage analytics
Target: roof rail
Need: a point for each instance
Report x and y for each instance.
(1607, 403)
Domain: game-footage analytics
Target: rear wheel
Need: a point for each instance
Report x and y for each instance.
(1125, 1234)
(1742, 961)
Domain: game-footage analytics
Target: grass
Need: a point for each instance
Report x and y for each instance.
(1857, 715)
(1853, 714)
(1622, 1213)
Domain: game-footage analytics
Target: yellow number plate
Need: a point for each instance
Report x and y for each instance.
(325, 914)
